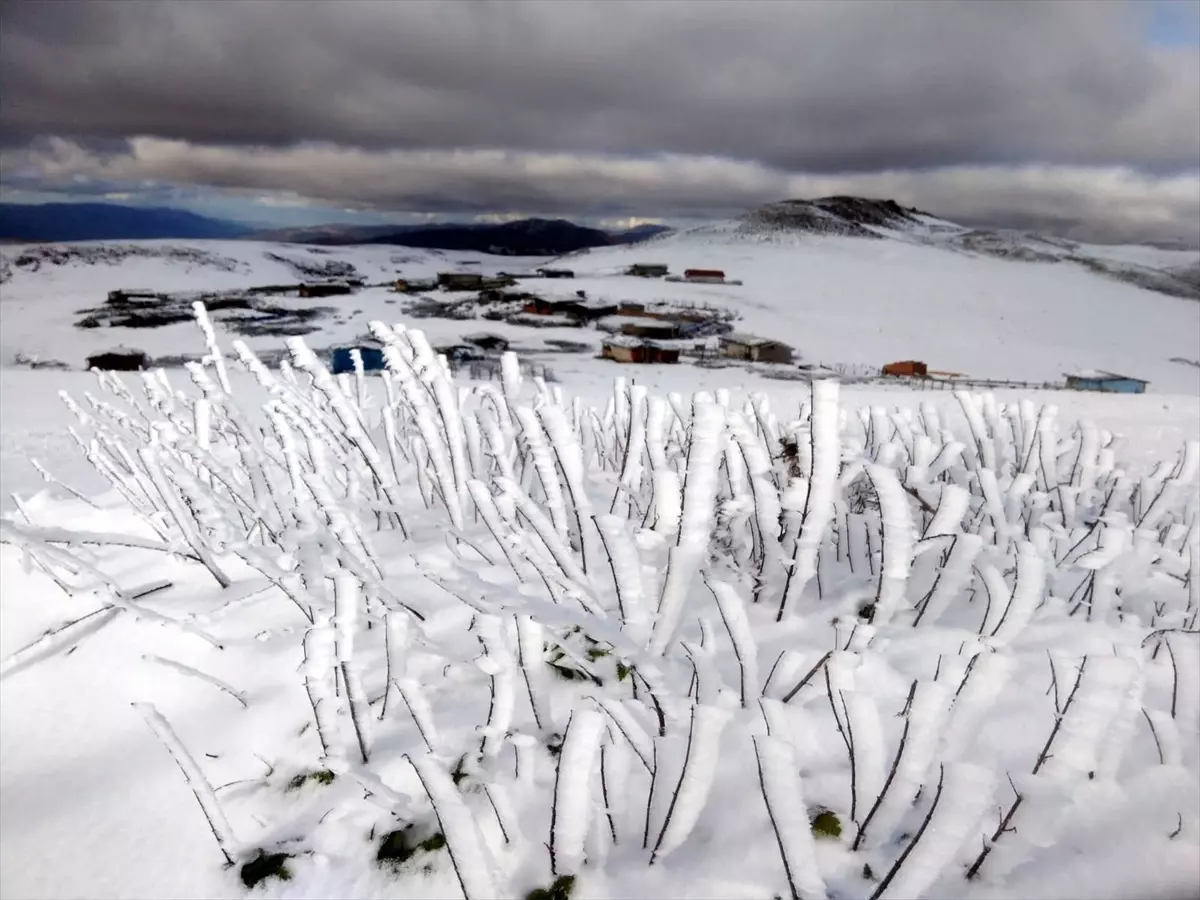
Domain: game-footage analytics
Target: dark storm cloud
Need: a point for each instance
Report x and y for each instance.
(803, 86)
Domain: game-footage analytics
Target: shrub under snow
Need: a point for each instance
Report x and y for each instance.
(670, 645)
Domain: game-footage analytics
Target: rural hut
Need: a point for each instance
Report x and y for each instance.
(647, 270)
(756, 349)
(704, 276)
(487, 341)
(908, 368)
(625, 349)
(372, 358)
(460, 281)
(556, 273)
(122, 359)
(1105, 382)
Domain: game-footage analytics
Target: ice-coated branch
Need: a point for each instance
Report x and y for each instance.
(192, 773)
(468, 852)
(784, 798)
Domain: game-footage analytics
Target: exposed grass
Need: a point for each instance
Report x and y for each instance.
(560, 889)
(263, 866)
(321, 776)
(399, 847)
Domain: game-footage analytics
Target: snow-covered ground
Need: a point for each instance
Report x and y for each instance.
(94, 805)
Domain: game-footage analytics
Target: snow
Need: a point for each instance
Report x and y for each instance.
(95, 799)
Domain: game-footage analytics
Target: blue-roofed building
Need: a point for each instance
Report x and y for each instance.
(1105, 382)
(372, 359)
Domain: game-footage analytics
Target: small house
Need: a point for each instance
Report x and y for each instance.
(651, 330)
(413, 285)
(325, 289)
(908, 368)
(629, 308)
(625, 349)
(460, 281)
(1105, 382)
(486, 341)
(120, 360)
(123, 298)
(372, 359)
(754, 348)
(704, 276)
(556, 273)
(647, 270)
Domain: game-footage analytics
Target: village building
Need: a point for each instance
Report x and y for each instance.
(756, 349)
(626, 349)
(704, 276)
(1105, 382)
(556, 273)
(653, 330)
(648, 270)
(460, 281)
(908, 368)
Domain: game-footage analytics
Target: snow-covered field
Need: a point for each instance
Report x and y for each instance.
(986, 677)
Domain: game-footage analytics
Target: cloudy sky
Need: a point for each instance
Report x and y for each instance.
(1080, 117)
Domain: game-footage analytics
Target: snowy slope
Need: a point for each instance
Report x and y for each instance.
(844, 299)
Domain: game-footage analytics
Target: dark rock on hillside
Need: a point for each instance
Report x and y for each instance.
(845, 216)
(31, 259)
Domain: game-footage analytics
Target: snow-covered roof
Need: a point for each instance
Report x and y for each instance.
(1101, 375)
(624, 340)
(750, 340)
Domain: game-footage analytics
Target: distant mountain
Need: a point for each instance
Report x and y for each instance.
(107, 222)
(523, 237)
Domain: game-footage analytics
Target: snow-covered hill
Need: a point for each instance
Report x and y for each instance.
(1172, 272)
(836, 299)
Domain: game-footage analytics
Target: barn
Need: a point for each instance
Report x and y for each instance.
(704, 276)
(1105, 382)
(756, 349)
